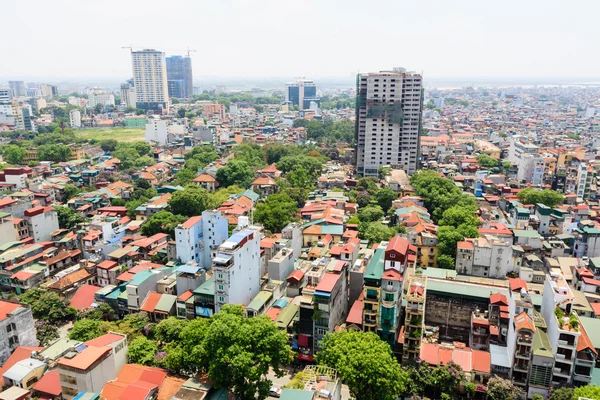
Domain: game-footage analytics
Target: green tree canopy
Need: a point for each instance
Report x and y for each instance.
(365, 363)
(86, 329)
(205, 154)
(168, 330)
(502, 389)
(486, 161)
(445, 261)
(276, 212)
(547, 197)
(14, 154)
(142, 351)
(370, 214)
(54, 152)
(189, 202)
(235, 172)
(162, 221)
(384, 198)
(69, 191)
(48, 306)
(67, 217)
(376, 232)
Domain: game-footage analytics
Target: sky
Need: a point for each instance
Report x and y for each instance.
(74, 39)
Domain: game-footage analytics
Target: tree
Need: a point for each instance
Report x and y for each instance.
(235, 172)
(162, 222)
(311, 165)
(86, 329)
(14, 154)
(445, 261)
(142, 351)
(299, 177)
(184, 177)
(67, 217)
(240, 351)
(98, 108)
(109, 144)
(563, 393)
(205, 154)
(537, 396)
(384, 198)
(251, 154)
(548, 197)
(363, 199)
(189, 202)
(220, 196)
(455, 216)
(48, 306)
(365, 363)
(54, 152)
(45, 332)
(376, 232)
(502, 389)
(447, 239)
(486, 161)
(370, 214)
(587, 392)
(181, 112)
(168, 330)
(69, 191)
(276, 212)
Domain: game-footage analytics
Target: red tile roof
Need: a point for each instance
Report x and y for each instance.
(191, 222)
(86, 358)
(104, 340)
(150, 302)
(517, 284)
(49, 384)
(84, 296)
(185, 295)
(355, 314)
(134, 382)
(6, 308)
(498, 298)
(107, 264)
(327, 282)
(399, 244)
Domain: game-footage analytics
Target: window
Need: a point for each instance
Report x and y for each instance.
(221, 299)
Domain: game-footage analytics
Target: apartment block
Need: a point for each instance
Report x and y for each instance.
(486, 256)
(388, 118)
(236, 268)
(198, 238)
(150, 79)
(16, 328)
(42, 221)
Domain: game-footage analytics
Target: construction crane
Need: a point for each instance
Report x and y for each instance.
(130, 47)
(189, 51)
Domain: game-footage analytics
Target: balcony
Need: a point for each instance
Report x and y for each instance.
(523, 355)
(564, 343)
(522, 367)
(370, 321)
(562, 372)
(524, 340)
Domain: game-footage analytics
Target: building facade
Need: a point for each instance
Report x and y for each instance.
(179, 77)
(150, 79)
(196, 237)
(388, 119)
(301, 93)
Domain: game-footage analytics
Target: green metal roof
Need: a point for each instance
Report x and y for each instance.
(166, 303)
(286, 315)
(260, 300)
(59, 348)
(541, 344)
(296, 394)
(526, 233)
(375, 267)
(207, 288)
(439, 273)
(332, 229)
(463, 289)
(592, 328)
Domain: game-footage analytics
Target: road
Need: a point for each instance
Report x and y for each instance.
(279, 382)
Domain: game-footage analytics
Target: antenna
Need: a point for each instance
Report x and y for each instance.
(189, 51)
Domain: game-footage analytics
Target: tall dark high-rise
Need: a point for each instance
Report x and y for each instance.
(301, 93)
(179, 76)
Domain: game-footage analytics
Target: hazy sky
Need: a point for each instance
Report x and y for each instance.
(311, 38)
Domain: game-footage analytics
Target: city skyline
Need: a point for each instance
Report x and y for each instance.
(443, 40)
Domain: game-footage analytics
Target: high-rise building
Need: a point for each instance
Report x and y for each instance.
(104, 99)
(179, 76)
(5, 96)
(388, 119)
(75, 118)
(48, 90)
(150, 79)
(128, 98)
(301, 93)
(17, 87)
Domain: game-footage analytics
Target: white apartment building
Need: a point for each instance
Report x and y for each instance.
(487, 256)
(150, 79)
(75, 118)
(104, 99)
(531, 169)
(42, 221)
(236, 268)
(198, 238)
(584, 180)
(5, 95)
(157, 130)
(518, 147)
(88, 368)
(388, 113)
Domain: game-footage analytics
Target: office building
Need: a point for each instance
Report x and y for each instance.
(150, 79)
(5, 95)
(179, 76)
(17, 87)
(388, 119)
(301, 93)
